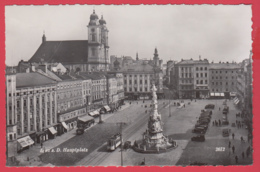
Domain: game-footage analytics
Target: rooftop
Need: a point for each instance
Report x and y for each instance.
(32, 80)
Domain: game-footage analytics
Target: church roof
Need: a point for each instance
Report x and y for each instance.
(75, 51)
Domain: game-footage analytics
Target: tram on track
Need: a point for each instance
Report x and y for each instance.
(113, 142)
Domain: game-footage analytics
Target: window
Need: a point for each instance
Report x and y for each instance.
(197, 81)
(197, 68)
(213, 90)
(216, 71)
(212, 83)
(226, 83)
(141, 82)
(220, 83)
(197, 75)
(232, 83)
(206, 75)
(201, 75)
(93, 51)
(201, 81)
(24, 103)
(201, 68)
(226, 71)
(216, 83)
(206, 81)
(212, 77)
(206, 68)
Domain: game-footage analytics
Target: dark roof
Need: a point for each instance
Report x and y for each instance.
(224, 66)
(62, 51)
(93, 76)
(32, 79)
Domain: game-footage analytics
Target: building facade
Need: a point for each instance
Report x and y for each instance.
(36, 106)
(223, 78)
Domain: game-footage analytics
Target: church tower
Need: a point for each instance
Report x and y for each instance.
(156, 58)
(97, 44)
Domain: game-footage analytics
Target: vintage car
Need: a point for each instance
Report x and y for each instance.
(199, 138)
(199, 130)
(201, 125)
(127, 145)
(204, 120)
(225, 132)
(225, 110)
(225, 122)
(204, 117)
(79, 131)
(210, 106)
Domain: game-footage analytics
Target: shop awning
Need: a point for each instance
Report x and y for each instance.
(212, 94)
(107, 108)
(96, 112)
(222, 94)
(217, 94)
(52, 130)
(65, 125)
(25, 141)
(22, 142)
(236, 102)
(85, 118)
(91, 113)
(235, 99)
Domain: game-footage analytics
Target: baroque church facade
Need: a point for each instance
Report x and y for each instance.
(78, 55)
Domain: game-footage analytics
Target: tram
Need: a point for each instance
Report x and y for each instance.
(113, 142)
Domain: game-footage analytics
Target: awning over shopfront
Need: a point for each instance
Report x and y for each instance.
(52, 130)
(65, 125)
(237, 102)
(25, 141)
(96, 112)
(85, 118)
(222, 94)
(91, 114)
(107, 108)
(212, 94)
(235, 99)
(217, 94)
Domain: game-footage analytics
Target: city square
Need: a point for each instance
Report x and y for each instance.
(86, 98)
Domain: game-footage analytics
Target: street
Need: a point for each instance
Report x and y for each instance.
(178, 125)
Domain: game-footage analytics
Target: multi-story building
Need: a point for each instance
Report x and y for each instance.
(201, 78)
(185, 82)
(112, 96)
(138, 80)
(223, 78)
(120, 86)
(36, 107)
(70, 102)
(11, 114)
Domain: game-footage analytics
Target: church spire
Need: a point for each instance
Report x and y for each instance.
(43, 37)
(137, 56)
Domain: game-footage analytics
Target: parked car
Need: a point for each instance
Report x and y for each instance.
(199, 130)
(201, 125)
(210, 106)
(225, 132)
(199, 138)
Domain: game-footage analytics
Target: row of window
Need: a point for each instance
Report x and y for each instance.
(135, 89)
(139, 76)
(221, 77)
(201, 75)
(201, 68)
(220, 83)
(201, 82)
(31, 92)
(213, 90)
(223, 71)
(135, 82)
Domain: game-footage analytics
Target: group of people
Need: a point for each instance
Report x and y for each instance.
(217, 123)
(239, 124)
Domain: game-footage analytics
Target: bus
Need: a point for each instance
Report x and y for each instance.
(113, 142)
(84, 123)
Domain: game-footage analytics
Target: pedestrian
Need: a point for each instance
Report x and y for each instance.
(233, 135)
(219, 108)
(233, 149)
(229, 144)
(41, 144)
(241, 138)
(243, 155)
(219, 122)
(213, 123)
(236, 158)
(216, 123)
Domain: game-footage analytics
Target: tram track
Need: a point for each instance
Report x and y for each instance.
(127, 133)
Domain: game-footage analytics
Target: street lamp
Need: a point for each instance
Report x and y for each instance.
(121, 137)
(170, 104)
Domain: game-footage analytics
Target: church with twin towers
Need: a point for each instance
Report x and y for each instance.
(78, 55)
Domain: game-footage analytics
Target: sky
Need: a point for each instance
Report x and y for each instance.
(215, 32)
